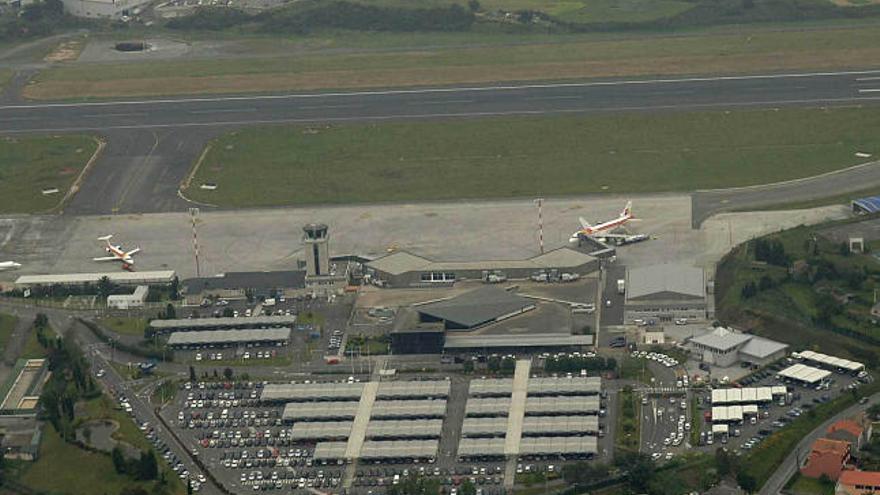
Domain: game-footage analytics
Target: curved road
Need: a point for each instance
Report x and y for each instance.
(152, 143)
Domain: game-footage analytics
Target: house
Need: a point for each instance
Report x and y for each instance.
(129, 301)
(858, 483)
(826, 457)
(847, 430)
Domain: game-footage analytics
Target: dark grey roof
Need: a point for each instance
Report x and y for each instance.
(248, 280)
(517, 340)
(477, 307)
(229, 336)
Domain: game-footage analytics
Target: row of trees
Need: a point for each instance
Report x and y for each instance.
(572, 364)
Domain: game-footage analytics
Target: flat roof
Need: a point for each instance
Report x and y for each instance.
(537, 425)
(385, 449)
(318, 410)
(558, 445)
(310, 391)
(305, 430)
(405, 428)
(402, 262)
(563, 385)
(229, 322)
(481, 446)
(229, 336)
(722, 414)
(487, 406)
(475, 427)
(560, 405)
(248, 280)
(515, 340)
(477, 307)
(330, 450)
(409, 408)
(120, 277)
(665, 281)
(804, 373)
(844, 364)
(722, 339)
(415, 388)
(490, 387)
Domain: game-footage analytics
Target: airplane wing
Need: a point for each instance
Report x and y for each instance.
(613, 236)
(584, 222)
(133, 251)
(106, 258)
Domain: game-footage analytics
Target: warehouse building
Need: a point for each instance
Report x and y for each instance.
(725, 347)
(164, 277)
(193, 324)
(403, 269)
(665, 293)
(229, 338)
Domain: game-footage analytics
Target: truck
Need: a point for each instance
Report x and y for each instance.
(621, 286)
(268, 303)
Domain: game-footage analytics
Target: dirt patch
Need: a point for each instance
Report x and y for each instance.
(65, 52)
(67, 171)
(421, 76)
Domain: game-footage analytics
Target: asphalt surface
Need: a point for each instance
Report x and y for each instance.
(152, 143)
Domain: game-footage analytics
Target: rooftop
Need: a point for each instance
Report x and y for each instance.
(229, 336)
(868, 478)
(722, 339)
(847, 425)
(760, 347)
(402, 262)
(120, 277)
(665, 281)
(247, 280)
(477, 307)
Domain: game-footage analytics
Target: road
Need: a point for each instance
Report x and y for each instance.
(152, 143)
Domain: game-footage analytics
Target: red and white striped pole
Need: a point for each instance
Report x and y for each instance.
(194, 213)
(540, 202)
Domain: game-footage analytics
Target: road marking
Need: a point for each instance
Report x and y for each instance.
(868, 79)
(104, 115)
(554, 98)
(320, 107)
(459, 89)
(227, 110)
(869, 91)
(444, 115)
(438, 102)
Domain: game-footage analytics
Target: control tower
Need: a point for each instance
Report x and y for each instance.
(317, 250)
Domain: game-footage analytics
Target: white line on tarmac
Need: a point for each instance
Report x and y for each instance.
(446, 90)
(103, 115)
(438, 102)
(321, 107)
(869, 91)
(867, 79)
(443, 115)
(225, 110)
(554, 98)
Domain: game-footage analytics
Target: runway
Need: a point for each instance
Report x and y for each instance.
(152, 143)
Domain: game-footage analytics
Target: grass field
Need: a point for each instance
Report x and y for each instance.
(125, 325)
(524, 156)
(5, 77)
(595, 10)
(7, 326)
(30, 164)
(32, 348)
(801, 485)
(568, 57)
(65, 468)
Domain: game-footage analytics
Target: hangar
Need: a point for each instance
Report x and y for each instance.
(403, 269)
(665, 292)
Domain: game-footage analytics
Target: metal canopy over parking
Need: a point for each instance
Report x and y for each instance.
(222, 337)
(409, 409)
(562, 405)
(414, 428)
(487, 406)
(804, 374)
(746, 395)
(471, 447)
(184, 324)
(299, 411)
(493, 387)
(580, 385)
(831, 361)
(321, 430)
(484, 427)
(311, 391)
(433, 388)
(558, 445)
(400, 449)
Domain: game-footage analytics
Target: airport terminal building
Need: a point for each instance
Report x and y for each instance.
(403, 269)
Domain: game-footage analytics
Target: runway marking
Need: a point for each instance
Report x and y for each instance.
(444, 90)
(869, 91)
(867, 79)
(104, 115)
(438, 102)
(444, 115)
(321, 107)
(554, 97)
(227, 110)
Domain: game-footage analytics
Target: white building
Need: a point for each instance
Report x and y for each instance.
(724, 347)
(665, 292)
(129, 301)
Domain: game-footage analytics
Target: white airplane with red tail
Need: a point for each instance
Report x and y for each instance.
(117, 253)
(603, 229)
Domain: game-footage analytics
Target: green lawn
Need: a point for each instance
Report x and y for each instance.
(63, 468)
(5, 77)
(125, 325)
(32, 348)
(527, 156)
(7, 326)
(595, 10)
(478, 58)
(627, 427)
(28, 165)
(801, 485)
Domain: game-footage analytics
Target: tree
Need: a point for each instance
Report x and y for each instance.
(134, 490)
(227, 313)
(41, 321)
(468, 366)
(227, 373)
(119, 464)
(766, 283)
(747, 482)
(105, 287)
(749, 290)
(474, 5)
(170, 312)
(722, 462)
(467, 488)
(175, 288)
(192, 373)
(147, 468)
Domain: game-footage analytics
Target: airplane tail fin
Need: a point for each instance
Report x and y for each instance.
(105, 237)
(627, 210)
(584, 223)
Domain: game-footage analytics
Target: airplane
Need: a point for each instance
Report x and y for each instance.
(603, 229)
(117, 253)
(9, 265)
